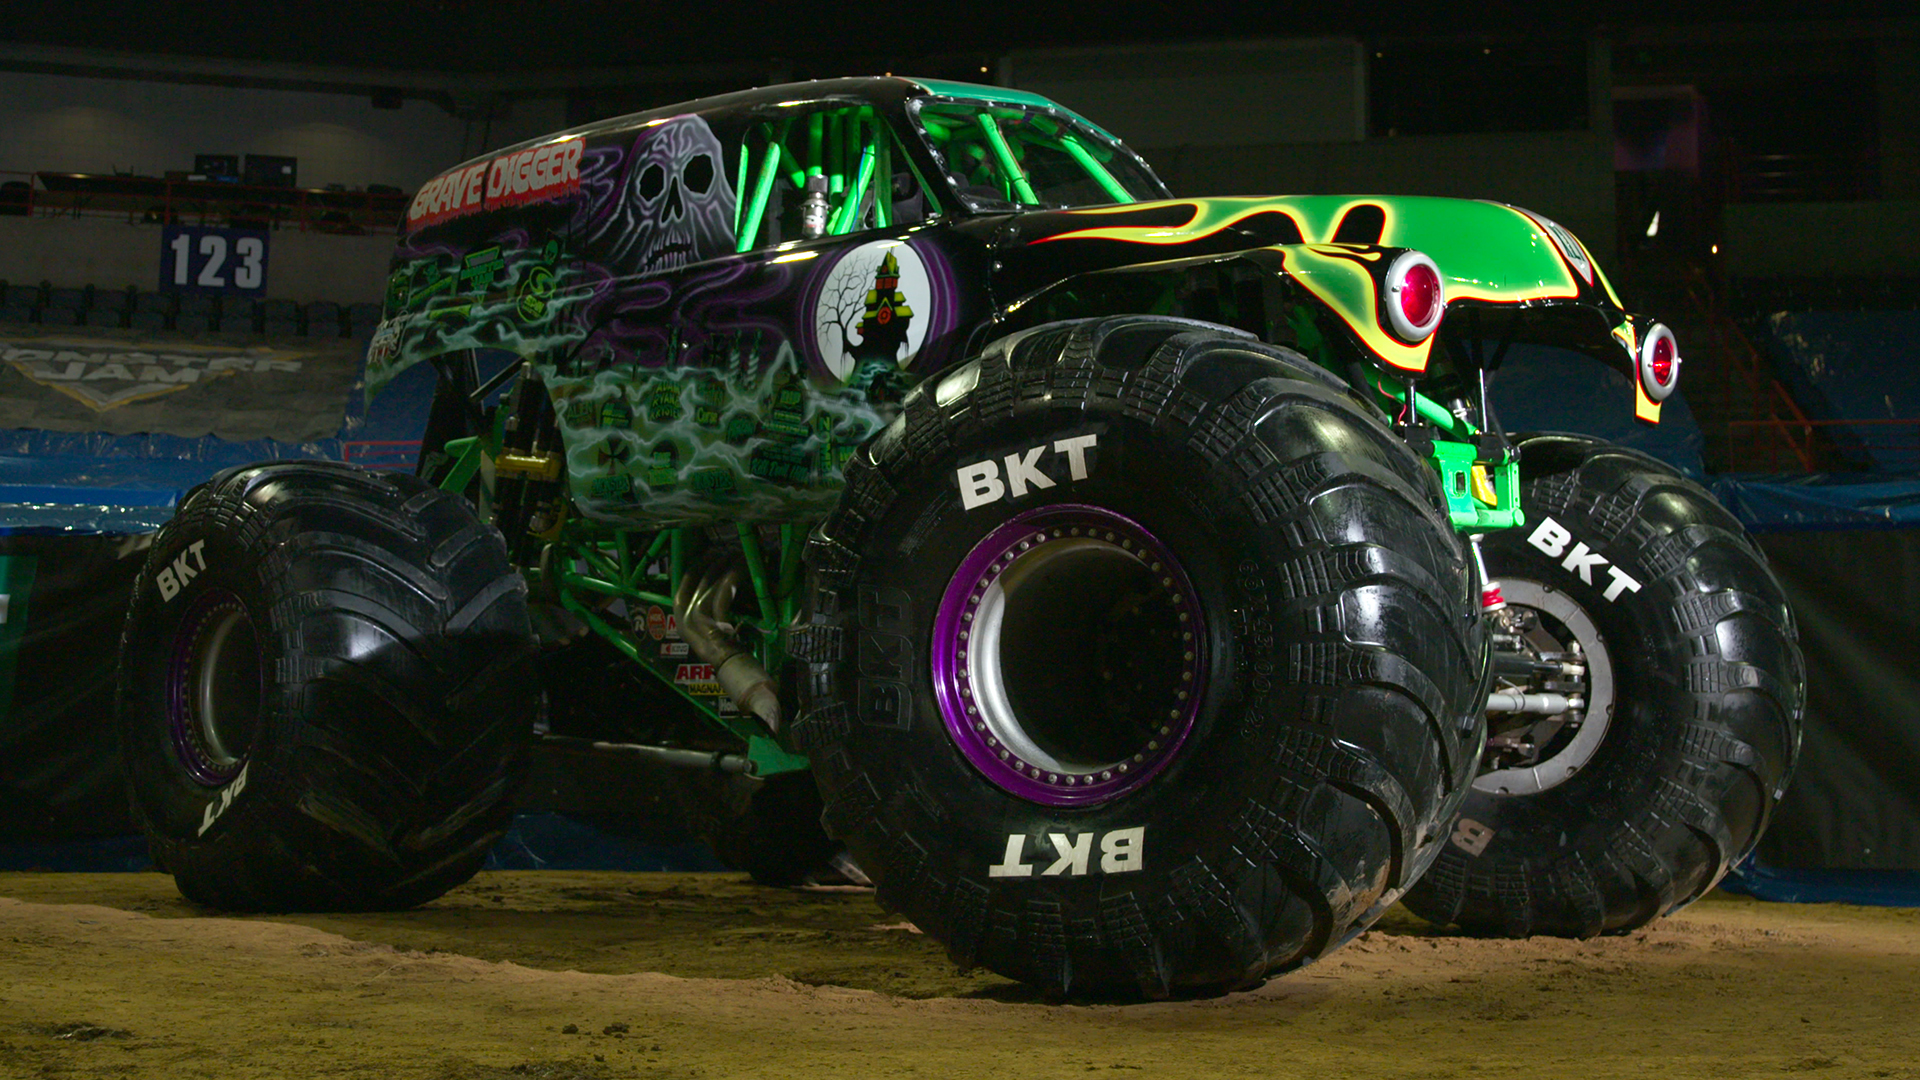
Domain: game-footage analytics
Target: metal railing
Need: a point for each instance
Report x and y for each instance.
(161, 201)
(1778, 435)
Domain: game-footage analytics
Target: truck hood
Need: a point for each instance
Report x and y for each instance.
(1488, 252)
(1531, 278)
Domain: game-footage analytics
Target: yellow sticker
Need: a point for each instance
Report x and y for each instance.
(1483, 486)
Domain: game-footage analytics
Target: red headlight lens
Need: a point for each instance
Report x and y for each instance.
(1659, 363)
(1415, 298)
(1662, 361)
(1420, 294)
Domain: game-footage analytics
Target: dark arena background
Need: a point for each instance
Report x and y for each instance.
(198, 204)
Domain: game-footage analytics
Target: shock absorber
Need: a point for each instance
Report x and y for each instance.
(528, 470)
(1490, 598)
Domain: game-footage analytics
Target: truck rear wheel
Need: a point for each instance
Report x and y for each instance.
(1642, 602)
(1143, 661)
(324, 693)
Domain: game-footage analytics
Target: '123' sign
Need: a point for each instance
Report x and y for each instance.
(197, 259)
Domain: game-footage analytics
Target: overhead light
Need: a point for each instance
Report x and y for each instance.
(1653, 227)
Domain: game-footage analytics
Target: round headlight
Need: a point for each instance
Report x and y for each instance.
(1659, 363)
(1415, 298)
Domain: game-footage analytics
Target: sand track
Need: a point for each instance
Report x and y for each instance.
(591, 975)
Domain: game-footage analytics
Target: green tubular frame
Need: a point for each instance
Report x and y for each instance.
(590, 558)
(1002, 153)
(593, 560)
(1454, 458)
(1098, 171)
(850, 148)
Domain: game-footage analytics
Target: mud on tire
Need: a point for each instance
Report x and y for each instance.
(1694, 687)
(324, 691)
(1143, 660)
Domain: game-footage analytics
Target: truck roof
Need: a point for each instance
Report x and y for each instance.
(879, 89)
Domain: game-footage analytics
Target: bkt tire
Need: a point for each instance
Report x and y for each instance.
(324, 690)
(1661, 616)
(1143, 661)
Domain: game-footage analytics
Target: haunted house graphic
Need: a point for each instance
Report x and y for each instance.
(883, 329)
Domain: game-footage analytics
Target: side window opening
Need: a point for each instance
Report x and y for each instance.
(1003, 157)
(828, 172)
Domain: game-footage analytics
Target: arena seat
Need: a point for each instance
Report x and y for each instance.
(279, 318)
(239, 315)
(323, 319)
(362, 318)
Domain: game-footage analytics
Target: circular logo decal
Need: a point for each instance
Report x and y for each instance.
(874, 305)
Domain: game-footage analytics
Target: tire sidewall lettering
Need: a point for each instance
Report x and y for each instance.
(1593, 566)
(217, 807)
(1051, 853)
(884, 658)
(1027, 472)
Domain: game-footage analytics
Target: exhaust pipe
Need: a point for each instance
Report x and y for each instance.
(701, 606)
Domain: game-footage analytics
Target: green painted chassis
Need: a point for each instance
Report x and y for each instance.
(647, 566)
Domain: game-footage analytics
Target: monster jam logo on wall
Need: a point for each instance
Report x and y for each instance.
(865, 313)
(154, 383)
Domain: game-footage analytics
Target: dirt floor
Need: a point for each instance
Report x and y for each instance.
(604, 975)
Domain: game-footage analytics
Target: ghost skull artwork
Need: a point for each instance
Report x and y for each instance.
(673, 205)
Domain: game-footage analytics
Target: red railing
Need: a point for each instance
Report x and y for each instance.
(158, 200)
(1779, 434)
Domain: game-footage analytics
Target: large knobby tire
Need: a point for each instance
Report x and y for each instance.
(325, 690)
(1143, 661)
(1682, 649)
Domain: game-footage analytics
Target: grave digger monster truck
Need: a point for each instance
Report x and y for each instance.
(1145, 582)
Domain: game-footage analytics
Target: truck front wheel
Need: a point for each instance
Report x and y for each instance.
(1143, 661)
(1667, 688)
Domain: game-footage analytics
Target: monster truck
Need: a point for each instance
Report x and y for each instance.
(1145, 583)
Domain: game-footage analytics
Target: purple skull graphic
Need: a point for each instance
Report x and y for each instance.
(674, 205)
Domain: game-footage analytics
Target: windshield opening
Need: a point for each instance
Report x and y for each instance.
(1003, 157)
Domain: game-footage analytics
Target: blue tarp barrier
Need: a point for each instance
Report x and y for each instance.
(1872, 888)
(1847, 550)
(79, 482)
(1854, 365)
(547, 841)
(1775, 503)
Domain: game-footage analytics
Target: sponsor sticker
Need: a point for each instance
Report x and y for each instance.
(662, 625)
(697, 679)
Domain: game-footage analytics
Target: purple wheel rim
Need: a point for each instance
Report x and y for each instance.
(967, 679)
(216, 623)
